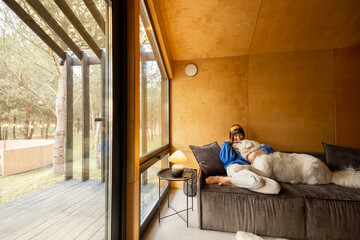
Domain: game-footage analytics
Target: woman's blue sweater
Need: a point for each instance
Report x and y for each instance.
(228, 155)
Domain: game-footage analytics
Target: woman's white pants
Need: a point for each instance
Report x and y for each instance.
(252, 181)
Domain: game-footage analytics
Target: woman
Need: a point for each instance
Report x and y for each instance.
(243, 178)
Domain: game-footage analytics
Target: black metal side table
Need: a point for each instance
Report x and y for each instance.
(189, 174)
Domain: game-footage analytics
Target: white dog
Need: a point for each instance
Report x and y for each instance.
(294, 168)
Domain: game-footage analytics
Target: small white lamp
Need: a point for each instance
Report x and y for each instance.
(178, 158)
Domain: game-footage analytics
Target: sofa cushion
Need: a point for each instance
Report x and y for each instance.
(208, 158)
(298, 212)
(232, 209)
(339, 158)
(332, 211)
(332, 219)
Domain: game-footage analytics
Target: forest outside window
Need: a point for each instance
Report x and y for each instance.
(154, 110)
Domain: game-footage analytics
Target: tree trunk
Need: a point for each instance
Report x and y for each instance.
(25, 132)
(6, 127)
(47, 129)
(47, 132)
(5, 133)
(32, 128)
(58, 159)
(152, 122)
(97, 147)
(78, 125)
(13, 129)
(41, 130)
(154, 129)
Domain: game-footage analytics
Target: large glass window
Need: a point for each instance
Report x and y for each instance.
(154, 119)
(153, 91)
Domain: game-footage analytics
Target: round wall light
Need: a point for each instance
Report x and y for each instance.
(191, 70)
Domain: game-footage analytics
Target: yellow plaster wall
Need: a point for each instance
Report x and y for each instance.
(347, 90)
(205, 106)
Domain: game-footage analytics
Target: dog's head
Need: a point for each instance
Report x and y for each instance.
(245, 147)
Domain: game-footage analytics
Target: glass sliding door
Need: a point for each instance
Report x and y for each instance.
(55, 123)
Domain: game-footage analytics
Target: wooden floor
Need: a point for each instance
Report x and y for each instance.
(66, 210)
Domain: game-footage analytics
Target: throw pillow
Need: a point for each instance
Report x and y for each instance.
(339, 158)
(208, 158)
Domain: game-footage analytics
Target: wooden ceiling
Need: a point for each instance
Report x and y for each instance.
(218, 28)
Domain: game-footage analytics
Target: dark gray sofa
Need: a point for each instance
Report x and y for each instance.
(297, 212)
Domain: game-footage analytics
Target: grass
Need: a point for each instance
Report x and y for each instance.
(18, 185)
(153, 144)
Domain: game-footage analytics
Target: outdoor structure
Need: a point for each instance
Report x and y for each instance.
(76, 32)
(18, 156)
(62, 42)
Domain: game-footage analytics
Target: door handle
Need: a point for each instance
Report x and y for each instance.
(99, 119)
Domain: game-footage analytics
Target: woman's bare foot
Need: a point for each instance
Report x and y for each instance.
(213, 179)
(218, 180)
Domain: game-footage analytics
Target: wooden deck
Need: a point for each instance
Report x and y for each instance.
(66, 210)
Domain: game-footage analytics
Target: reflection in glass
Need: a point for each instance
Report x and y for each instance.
(150, 187)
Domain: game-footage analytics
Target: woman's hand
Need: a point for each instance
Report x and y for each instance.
(251, 157)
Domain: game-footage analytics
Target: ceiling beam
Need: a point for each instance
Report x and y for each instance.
(95, 13)
(26, 18)
(46, 16)
(78, 26)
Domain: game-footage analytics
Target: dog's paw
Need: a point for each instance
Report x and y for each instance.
(294, 182)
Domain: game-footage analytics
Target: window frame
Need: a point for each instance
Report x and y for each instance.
(150, 158)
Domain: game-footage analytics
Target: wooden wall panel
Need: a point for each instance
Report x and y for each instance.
(347, 95)
(287, 100)
(205, 106)
(291, 104)
(303, 25)
(209, 28)
(352, 37)
(212, 28)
